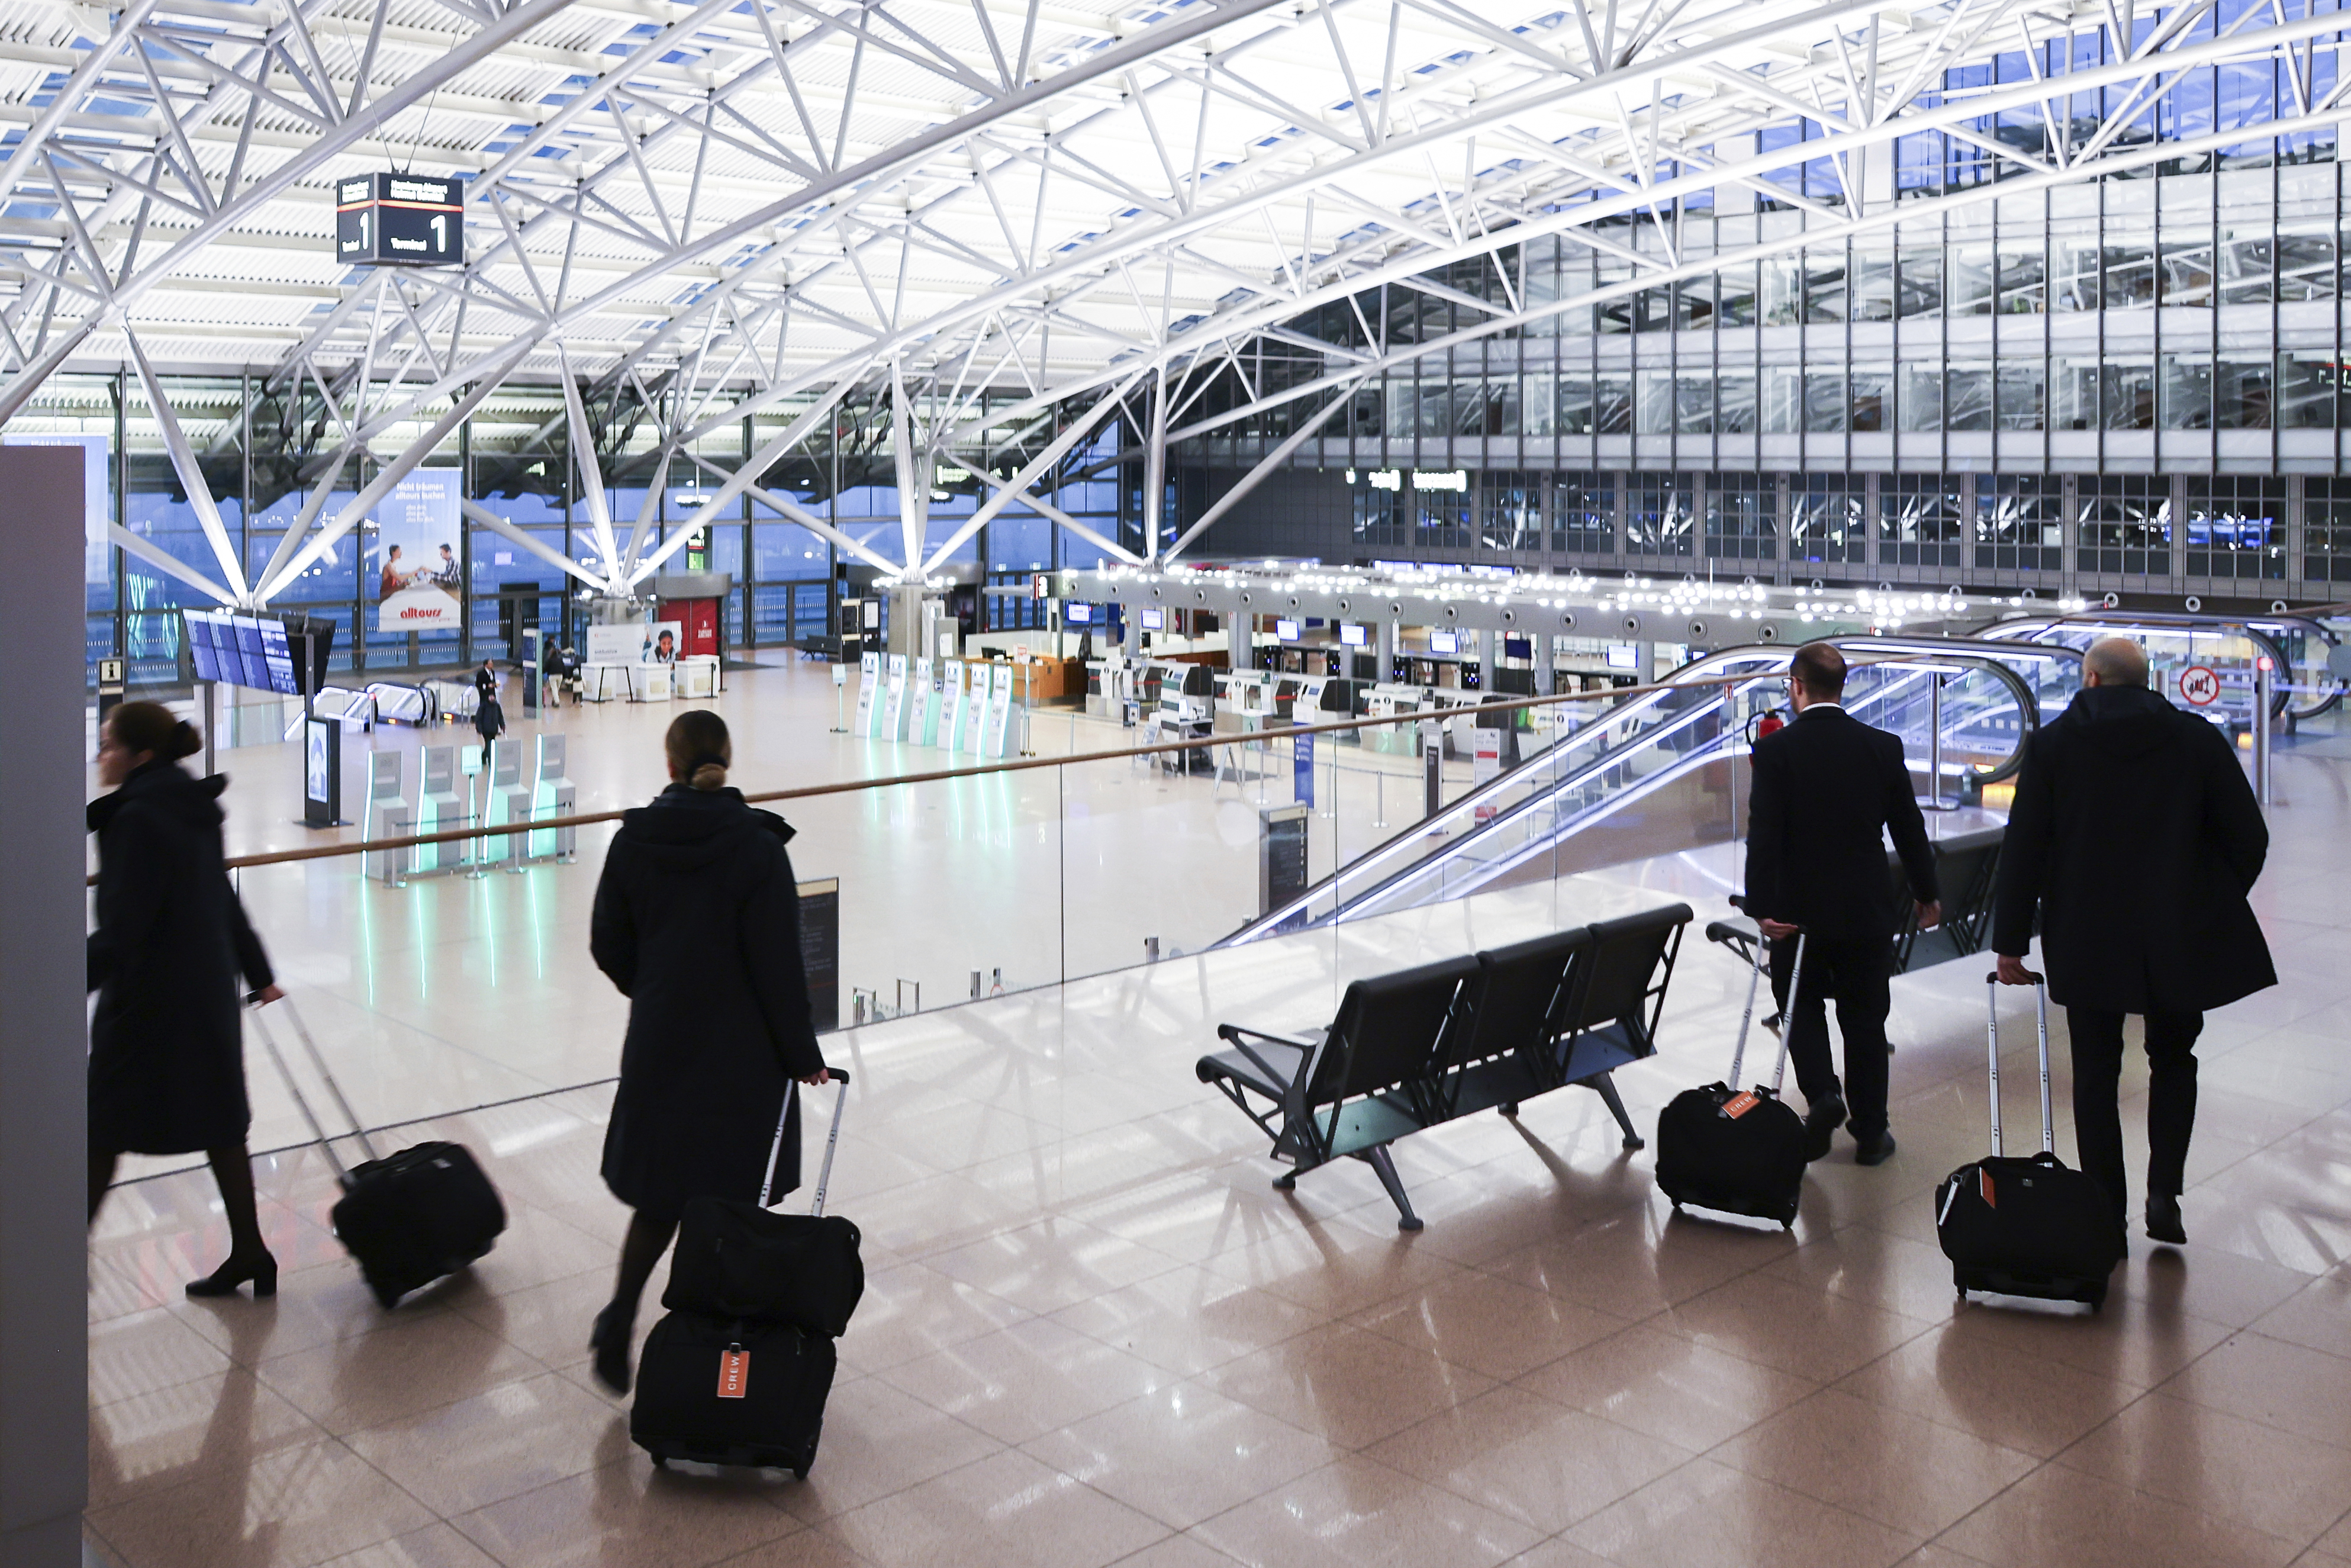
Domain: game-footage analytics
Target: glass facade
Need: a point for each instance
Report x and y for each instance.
(2134, 382)
(267, 454)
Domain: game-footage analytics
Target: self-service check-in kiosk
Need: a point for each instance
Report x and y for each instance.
(509, 802)
(389, 815)
(923, 703)
(440, 809)
(894, 716)
(869, 678)
(999, 738)
(553, 795)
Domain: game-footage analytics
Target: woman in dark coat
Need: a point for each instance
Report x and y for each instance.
(490, 723)
(698, 922)
(166, 1043)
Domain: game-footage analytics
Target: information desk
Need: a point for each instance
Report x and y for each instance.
(602, 682)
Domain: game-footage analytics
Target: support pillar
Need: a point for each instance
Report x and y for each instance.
(44, 1253)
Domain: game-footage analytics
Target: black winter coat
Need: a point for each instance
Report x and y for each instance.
(697, 921)
(1827, 788)
(2136, 836)
(166, 1042)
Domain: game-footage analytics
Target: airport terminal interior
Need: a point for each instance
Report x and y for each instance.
(1254, 544)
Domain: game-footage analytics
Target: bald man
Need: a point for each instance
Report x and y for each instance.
(2136, 838)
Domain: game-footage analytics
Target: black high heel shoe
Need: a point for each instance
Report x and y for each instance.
(609, 1339)
(261, 1273)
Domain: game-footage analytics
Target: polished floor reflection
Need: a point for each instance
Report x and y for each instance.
(1094, 1334)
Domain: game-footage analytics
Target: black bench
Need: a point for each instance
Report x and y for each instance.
(1966, 866)
(1420, 1047)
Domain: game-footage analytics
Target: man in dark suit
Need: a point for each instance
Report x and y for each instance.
(2136, 837)
(1827, 788)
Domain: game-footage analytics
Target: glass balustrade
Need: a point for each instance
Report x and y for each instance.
(448, 976)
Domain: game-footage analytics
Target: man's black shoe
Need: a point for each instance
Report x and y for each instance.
(1821, 1123)
(2163, 1220)
(1875, 1151)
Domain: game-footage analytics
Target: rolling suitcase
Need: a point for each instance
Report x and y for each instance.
(407, 1219)
(731, 1375)
(739, 1261)
(1738, 1151)
(2017, 1226)
(720, 1392)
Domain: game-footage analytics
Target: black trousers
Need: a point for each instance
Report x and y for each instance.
(2170, 1101)
(1856, 975)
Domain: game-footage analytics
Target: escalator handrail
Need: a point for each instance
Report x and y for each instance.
(1906, 650)
(2256, 629)
(1969, 653)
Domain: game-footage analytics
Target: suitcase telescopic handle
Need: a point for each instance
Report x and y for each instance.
(1788, 1014)
(832, 1140)
(1991, 1051)
(1754, 983)
(294, 1088)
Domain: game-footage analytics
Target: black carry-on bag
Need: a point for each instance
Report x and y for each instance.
(1737, 1151)
(744, 1379)
(2019, 1227)
(739, 1261)
(407, 1219)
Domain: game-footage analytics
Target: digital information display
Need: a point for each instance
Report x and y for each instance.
(1154, 621)
(203, 646)
(278, 659)
(400, 220)
(1445, 642)
(1285, 630)
(1077, 614)
(821, 951)
(1354, 635)
(242, 651)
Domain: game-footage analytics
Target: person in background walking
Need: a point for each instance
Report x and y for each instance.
(698, 922)
(489, 722)
(1826, 787)
(166, 1042)
(485, 681)
(2136, 838)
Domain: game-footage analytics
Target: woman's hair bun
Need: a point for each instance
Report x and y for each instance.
(150, 726)
(709, 776)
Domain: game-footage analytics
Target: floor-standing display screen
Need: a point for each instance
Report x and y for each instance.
(820, 950)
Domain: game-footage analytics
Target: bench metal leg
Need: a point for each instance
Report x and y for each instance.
(1378, 1160)
(1286, 1182)
(1607, 1089)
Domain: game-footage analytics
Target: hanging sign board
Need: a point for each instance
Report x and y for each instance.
(400, 220)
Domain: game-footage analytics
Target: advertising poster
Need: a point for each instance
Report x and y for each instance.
(613, 645)
(415, 558)
(661, 642)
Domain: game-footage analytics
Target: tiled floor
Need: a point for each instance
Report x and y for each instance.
(1094, 1335)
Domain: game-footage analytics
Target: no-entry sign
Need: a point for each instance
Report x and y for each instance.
(2200, 684)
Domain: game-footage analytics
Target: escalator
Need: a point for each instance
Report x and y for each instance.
(2298, 645)
(1659, 771)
